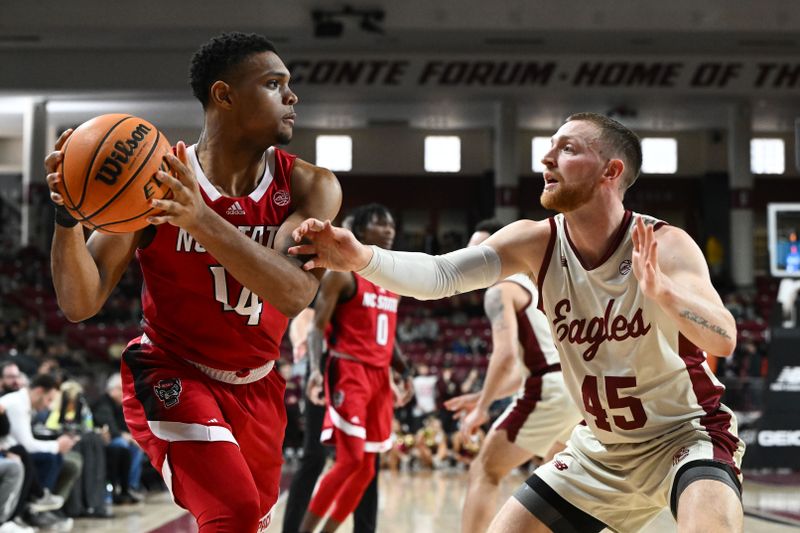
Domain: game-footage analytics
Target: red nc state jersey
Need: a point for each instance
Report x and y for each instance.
(192, 306)
(364, 325)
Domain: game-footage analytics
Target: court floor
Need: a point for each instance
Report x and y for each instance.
(430, 502)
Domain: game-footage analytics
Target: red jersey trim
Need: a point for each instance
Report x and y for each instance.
(548, 256)
(618, 238)
(716, 422)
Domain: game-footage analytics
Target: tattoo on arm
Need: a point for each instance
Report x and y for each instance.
(689, 315)
(493, 305)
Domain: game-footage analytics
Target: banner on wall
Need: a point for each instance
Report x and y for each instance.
(700, 75)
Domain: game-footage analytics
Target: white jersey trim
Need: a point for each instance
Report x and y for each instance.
(181, 431)
(370, 446)
(212, 192)
(166, 473)
(342, 424)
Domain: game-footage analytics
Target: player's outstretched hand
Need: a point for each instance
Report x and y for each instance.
(645, 260)
(474, 419)
(51, 164)
(186, 207)
(329, 247)
(462, 404)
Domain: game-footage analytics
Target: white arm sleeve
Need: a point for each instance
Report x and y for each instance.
(428, 277)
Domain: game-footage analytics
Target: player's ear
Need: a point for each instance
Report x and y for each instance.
(220, 94)
(614, 169)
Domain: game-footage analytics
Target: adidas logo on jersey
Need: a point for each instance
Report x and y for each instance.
(235, 209)
(788, 380)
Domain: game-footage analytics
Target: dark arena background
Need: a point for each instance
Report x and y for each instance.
(441, 111)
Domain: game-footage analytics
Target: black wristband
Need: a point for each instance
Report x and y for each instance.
(63, 218)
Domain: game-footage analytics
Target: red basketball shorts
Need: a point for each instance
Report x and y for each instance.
(167, 400)
(359, 404)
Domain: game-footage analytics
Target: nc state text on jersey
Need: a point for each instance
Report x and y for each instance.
(186, 243)
(383, 303)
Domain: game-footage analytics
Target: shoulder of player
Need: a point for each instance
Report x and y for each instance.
(521, 245)
(523, 232)
(670, 236)
(306, 175)
(677, 250)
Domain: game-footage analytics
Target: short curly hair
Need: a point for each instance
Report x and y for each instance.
(364, 214)
(216, 58)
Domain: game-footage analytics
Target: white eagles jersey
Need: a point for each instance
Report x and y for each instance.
(625, 363)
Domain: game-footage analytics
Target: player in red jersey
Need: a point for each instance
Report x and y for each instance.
(357, 389)
(199, 394)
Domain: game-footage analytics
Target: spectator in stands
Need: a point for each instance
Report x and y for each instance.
(446, 388)
(45, 455)
(428, 329)
(12, 474)
(108, 412)
(406, 331)
(11, 378)
(466, 448)
(399, 457)
(425, 393)
(431, 445)
(69, 414)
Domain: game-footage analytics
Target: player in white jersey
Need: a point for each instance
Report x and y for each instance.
(524, 360)
(631, 308)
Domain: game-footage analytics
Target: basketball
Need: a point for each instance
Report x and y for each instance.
(108, 171)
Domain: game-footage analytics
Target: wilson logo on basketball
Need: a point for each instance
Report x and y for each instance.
(281, 198)
(560, 465)
(598, 329)
(112, 166)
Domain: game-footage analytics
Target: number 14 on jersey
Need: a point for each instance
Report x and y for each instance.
(248, 303)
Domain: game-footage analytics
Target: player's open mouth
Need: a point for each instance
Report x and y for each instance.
(549, 182)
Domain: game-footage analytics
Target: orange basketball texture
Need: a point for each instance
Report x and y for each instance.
(108, 172)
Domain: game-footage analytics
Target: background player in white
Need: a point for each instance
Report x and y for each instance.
(524, 360)
(656, 448)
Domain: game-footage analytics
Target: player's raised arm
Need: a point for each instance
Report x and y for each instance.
(672, 271)
(84, 273)
(515, 248)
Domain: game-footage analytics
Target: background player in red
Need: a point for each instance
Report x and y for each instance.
(314, 457)
(358, 395)
(199, 394)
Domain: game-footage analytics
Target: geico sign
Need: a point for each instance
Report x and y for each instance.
(779, 438)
